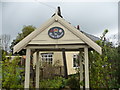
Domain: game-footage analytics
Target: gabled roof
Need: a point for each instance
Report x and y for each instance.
(56, 18)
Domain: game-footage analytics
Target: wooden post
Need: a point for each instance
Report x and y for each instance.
(86, 68)
(81, 67)
(27, 68)
(60, 71)
(65, 64)
(37, 69)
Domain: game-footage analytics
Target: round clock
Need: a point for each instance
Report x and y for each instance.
(56, 32)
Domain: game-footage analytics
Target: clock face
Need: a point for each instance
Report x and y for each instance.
(56, 32)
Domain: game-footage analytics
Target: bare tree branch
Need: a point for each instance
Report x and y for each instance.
(5, 40)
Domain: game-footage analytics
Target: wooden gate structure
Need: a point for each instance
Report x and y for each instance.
(56, 35)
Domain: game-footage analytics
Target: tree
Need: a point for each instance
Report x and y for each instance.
(118, 64)
(5, 40)
(11, 70)
(104, 68)
(25, 31)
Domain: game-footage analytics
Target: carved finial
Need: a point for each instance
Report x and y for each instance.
(78, 27)
(58, 12)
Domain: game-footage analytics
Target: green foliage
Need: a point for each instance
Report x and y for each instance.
(59, 83)
(73, 82)
(56, 83)
(104, 33)
(11, 73)
(4, 53)
(25, 31)
(104, 68)
(118, 63)
(99, 74)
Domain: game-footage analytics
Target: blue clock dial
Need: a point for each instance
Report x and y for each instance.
(56, 32)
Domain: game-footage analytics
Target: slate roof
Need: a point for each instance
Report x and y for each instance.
(92, 37)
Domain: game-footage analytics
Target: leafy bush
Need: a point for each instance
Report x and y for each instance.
(59, 83)
(73, 83)
(104, 67)
(11, 73)
(56, 83)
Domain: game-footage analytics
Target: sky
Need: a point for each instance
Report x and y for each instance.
(93, 17)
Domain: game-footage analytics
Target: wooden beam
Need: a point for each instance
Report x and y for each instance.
(37, 70)
(27, 68)
(86, 68)
(81, 67)
(56, 44)
(58, 47)
(65, 63)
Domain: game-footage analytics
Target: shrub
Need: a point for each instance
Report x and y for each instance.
(73, 83)
(56, 83)
(11, 74)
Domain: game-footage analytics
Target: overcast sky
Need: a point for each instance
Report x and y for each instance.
(93, 17)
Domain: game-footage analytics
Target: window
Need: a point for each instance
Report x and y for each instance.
(47, 57)
(75, 60)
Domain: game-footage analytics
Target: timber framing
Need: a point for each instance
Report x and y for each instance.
(73, 40)
(26, 41)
